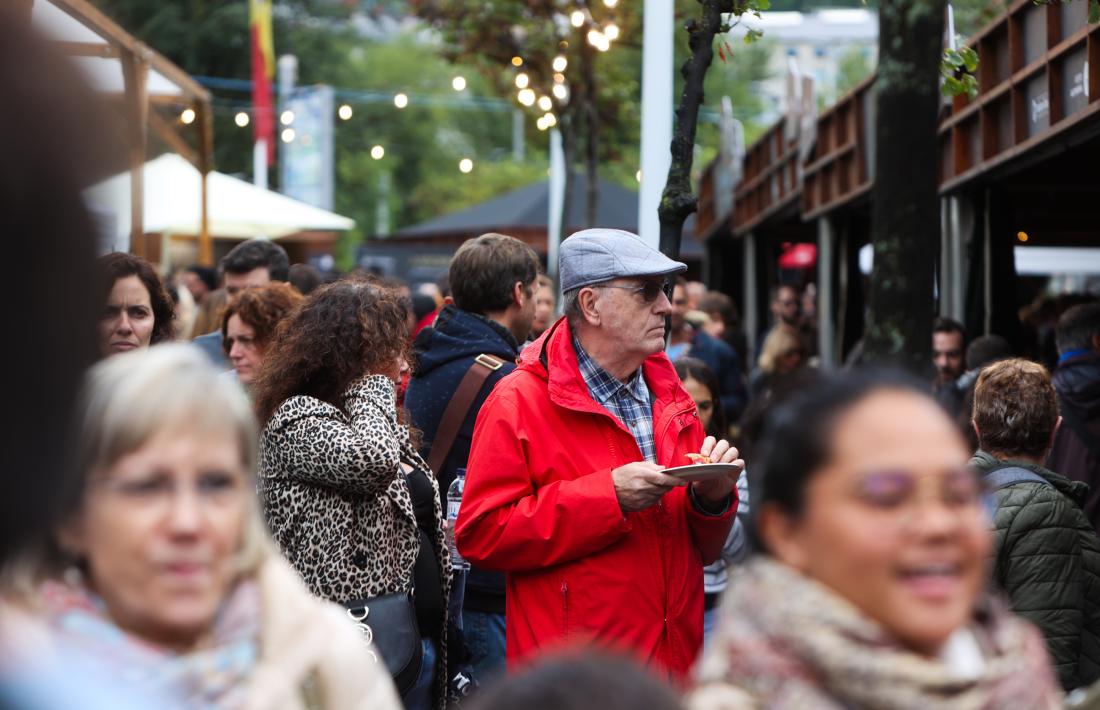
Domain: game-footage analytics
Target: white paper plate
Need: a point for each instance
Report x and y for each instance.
(702, 471)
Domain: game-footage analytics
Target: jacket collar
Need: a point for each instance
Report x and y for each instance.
(553, 358)
(986, 463)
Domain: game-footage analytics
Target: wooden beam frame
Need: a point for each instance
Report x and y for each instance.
(86, 13)
(137, 59)
(175, 141)
(136, 74)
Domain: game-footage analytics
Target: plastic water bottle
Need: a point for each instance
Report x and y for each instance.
(454, 502)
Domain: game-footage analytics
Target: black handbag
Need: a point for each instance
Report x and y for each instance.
(388, 623)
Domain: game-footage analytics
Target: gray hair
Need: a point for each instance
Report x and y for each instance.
(129, 398)
(1076, 327)
(570, 306)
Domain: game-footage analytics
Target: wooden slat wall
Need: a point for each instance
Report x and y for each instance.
(1034, 83)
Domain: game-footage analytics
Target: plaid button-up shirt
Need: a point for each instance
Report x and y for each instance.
(629, 402)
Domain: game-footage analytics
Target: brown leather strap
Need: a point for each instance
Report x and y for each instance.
(459, 407)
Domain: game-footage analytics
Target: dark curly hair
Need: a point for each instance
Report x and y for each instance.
(261, 308)
(341, 332)
(119, 265)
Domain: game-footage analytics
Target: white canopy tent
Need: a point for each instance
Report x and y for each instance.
(236, 209)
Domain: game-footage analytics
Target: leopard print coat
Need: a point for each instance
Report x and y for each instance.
(335, 499)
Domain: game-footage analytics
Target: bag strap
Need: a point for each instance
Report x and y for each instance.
(1075, 423)
(1011, 475)
(455, 413)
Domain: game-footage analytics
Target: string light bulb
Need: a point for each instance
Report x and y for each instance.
(344, 112)
(522, 80)
(466, 165)
(560, 63)
(400, 100)
(458, 83)
(241, 119)
(541, 123)
(550, 119)
(286, 117)
(517, 61)
(545, 103)
(377, 152)
(611, 32)
(610, 3)
(526, 97)
(287, 135)
(577, 18)
(560, 92)
(187, 116)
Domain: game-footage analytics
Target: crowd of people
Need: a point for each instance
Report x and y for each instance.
(255, 487)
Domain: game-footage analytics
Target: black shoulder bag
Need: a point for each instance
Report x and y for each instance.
(389, 627)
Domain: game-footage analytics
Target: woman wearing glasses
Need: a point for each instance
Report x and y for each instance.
(161, 579)
(869, 587)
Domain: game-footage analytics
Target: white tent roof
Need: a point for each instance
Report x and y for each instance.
(104, 73)
(236, 208)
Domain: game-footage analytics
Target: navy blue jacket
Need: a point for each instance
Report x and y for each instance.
(723, 362)
(443, 354)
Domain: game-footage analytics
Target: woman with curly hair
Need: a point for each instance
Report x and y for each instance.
(249, 323)
(137, 310)
(351, 503)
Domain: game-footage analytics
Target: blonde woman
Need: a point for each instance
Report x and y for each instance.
(161, 575)
(781, 354)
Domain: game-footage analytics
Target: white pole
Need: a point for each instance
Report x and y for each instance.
(259, 163)
(657, 59)
(557, 199)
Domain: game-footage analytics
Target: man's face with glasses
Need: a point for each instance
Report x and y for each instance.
(632, 312)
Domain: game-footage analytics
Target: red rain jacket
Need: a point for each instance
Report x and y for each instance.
(539, 504)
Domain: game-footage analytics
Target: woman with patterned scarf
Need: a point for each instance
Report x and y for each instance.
(161, 581)
(870, 590)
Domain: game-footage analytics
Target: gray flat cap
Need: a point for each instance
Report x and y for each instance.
(596, 255)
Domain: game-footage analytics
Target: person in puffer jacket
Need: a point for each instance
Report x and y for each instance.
(1046, 556)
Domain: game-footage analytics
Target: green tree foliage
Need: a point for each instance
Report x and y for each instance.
(423, 143)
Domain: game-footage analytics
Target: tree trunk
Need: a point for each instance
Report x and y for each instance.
(592, 135)
(905, 214)
(569, 152)
(677, 199)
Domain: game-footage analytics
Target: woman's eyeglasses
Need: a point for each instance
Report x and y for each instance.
(904, 493)
(648, 290)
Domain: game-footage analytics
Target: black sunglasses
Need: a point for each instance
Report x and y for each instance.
(649, 290)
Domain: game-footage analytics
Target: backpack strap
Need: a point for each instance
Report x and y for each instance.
(461, 401)
(1005, 477)
(1011, 475)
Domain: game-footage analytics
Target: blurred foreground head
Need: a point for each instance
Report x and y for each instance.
(579, 683)
(51, 133)
(864, 488)
(163, 519)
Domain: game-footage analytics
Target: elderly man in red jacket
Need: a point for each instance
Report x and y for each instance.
(566, 490)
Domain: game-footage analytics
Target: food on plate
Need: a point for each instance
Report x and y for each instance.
(697, 459)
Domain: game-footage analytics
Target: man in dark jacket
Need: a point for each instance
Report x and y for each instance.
(493, 283)
(1076, 451)
(1046, 556)
(720, 357)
